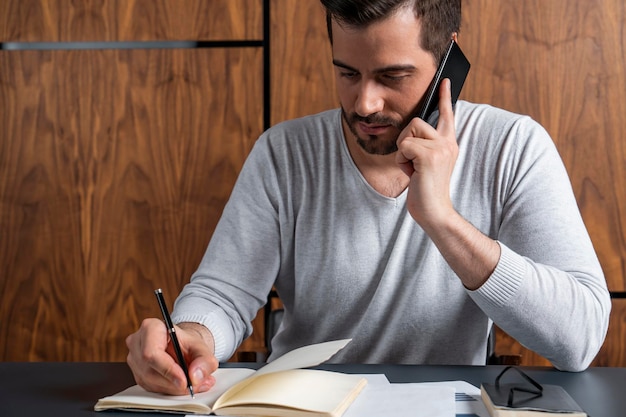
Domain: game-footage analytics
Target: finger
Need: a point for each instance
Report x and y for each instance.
(201, 378)
(409, 140)
(445, 125)
(152, 366)
(155, 381)
(404, 157)
(416, 128)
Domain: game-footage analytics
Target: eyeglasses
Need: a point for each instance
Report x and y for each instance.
(536, 390)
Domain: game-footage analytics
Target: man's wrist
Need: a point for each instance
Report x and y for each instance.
(204, 333)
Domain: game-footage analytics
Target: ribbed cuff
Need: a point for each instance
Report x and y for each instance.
(224, 338)
(505, 280)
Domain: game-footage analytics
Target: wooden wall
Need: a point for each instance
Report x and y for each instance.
(115, 163)
(564, 63)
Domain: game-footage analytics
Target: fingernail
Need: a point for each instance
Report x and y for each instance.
(177, 382)
(198, 376)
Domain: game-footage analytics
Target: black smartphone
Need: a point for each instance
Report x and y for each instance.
(454, 66)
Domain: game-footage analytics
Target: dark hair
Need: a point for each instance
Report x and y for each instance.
(439, 18)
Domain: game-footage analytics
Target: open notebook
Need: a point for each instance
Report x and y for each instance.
(280, 388)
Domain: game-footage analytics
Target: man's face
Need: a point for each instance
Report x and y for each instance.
(382, 74)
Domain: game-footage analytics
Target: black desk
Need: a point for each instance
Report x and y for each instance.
(72, 389)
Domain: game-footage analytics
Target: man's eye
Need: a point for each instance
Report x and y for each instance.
(394, 78)
(348, 75)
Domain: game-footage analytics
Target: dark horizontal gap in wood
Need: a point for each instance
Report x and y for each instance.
(618, 294)
(37, 46)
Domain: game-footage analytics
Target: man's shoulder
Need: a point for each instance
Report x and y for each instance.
(488, 119)
(310, 133)
(302, 138)
(467, 109)
(482, 126)
(319, 121)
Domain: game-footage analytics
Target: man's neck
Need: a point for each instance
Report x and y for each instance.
(380, 171)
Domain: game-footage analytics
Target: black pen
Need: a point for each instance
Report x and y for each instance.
(172, 331)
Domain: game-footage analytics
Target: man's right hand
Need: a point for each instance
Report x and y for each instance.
(152, 359)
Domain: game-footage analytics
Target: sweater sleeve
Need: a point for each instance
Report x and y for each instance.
(241, 261)
(548, 290)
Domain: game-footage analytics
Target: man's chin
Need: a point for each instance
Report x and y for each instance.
(377, 146)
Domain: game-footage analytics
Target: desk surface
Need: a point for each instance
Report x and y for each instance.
(72, 388)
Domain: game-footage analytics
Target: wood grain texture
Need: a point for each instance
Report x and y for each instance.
(114, 165)
(130, 20)
(114, 169)
(303, 80)
(564, 64)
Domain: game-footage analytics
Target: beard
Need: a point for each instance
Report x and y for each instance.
(374, 144)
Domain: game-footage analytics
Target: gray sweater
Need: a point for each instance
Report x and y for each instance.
(350, 263)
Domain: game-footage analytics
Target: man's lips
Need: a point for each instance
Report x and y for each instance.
(372, 129)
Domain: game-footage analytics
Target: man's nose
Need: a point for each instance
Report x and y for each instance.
(369, 99)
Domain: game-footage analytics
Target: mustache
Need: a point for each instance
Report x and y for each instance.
(375, 119)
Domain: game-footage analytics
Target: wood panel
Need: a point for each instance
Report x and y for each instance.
(302, 75)
(563, 63)
(130, 20)
(114, 165)
(114, 168)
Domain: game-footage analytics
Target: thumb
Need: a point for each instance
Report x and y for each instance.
(201, 359)
(201, 376)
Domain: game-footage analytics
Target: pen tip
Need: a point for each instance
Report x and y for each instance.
(191, 391)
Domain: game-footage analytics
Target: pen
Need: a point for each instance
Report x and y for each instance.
(172, 332)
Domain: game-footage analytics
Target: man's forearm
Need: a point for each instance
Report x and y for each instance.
(471, 255)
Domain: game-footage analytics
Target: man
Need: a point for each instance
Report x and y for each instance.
(376, 226)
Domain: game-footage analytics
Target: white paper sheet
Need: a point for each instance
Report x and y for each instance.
(400, 400)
